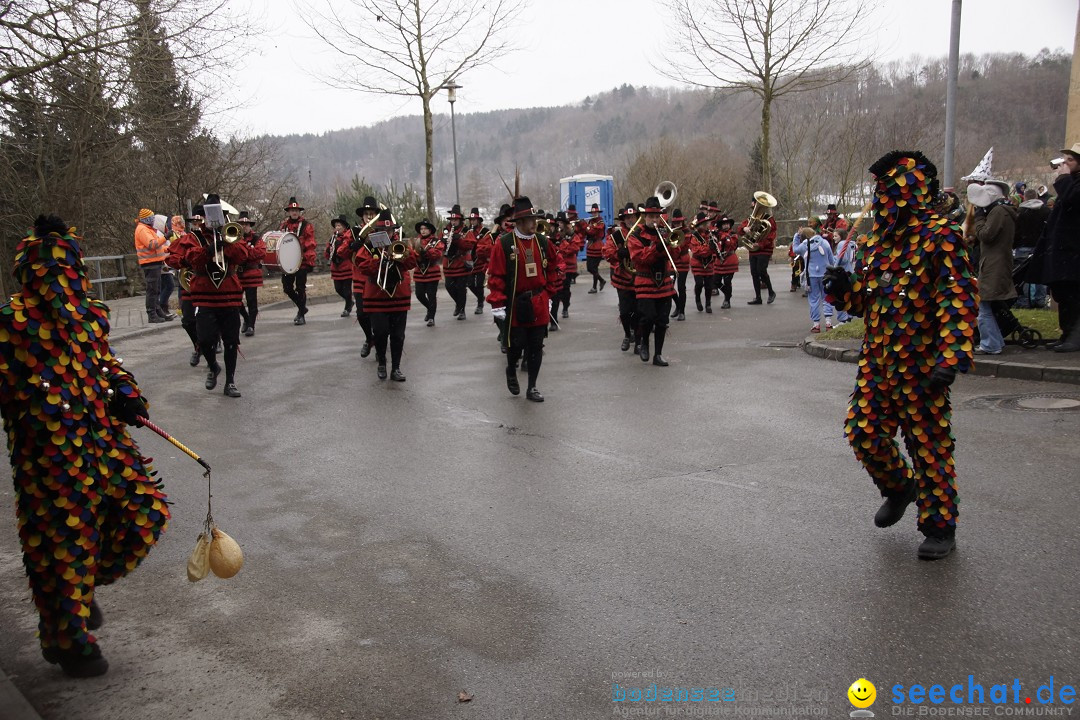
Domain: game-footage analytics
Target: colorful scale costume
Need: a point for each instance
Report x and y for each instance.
(88, 508)
(914, 288)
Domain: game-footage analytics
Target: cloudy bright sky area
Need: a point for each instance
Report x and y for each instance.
(573, 48)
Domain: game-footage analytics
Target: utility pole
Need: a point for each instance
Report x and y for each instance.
(1072, 117)
(950, 95)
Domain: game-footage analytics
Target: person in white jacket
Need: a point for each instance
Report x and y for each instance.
(817, 255)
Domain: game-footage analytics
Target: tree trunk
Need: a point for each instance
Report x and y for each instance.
(766, 118)
(429, 173)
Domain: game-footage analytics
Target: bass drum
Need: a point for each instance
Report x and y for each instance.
(283, 251)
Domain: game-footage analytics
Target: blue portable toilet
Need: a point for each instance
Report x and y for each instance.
(583, 191)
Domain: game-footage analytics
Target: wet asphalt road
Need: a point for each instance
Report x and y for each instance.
(703, 525)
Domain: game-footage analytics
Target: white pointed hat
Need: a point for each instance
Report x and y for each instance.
(983, 170)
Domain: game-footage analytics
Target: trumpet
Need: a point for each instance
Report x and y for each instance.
(388, 275)
(230, 233)
(543, 227)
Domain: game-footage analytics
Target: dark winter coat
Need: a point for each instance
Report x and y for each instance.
(1057, 256)
(994, 233)
(1030, 222)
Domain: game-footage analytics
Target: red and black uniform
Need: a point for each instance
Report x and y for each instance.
(187, 309)
(477, 270)
(359, 283)
(759, 260)
(427, 274)
(568, 249)
(251, 279)
(726, 265)
(704, 265)
(388, 311)
(341, 268)
(681, 255)
(523, 275)
(622, 277)
(595, 238)
(654, 287)
(459, 244)
(295, 285)
(217, 306)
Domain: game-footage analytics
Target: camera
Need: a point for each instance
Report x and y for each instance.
(1056, 163)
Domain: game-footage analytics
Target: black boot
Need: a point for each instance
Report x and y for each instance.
(194, 360)
(755, 301)
(381, 372)
(697, 301)
(231, 390)
(512, 381)
(250, 331)
(938, 544)
(75, 663)
(211, 377)
(245, 327)
(643, 351)
(365, 349)
(396, 375)
(534, 395)
(893, 508)
(726, 305)
(658, 359)
(626, 343)
(603, 282)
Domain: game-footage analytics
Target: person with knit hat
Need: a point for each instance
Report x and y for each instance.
(151, 247)
(87, 502)
(916, 292)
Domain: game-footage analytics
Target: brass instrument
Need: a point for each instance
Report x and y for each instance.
(543, 227)
(185, 279)
(230, 233)
(666, 192)
(758, 225)
(388, 275)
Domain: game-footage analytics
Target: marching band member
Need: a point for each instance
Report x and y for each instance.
(217, 295)
(295, 285)
(337, 252)
(459, 247)
(653, 283)
(523, 275)
(568, 249)
(426, 276)
(387, 305)
(727, 263)
(368, 213)
(703, 260)
(251, 273)
(88, 506)
(187, 310)
(622, 277)
(503, 224)
(595, 238)
(760, 254)
(681, 254)
(475, 237)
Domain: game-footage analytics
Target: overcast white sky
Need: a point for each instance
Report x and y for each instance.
(573, 48)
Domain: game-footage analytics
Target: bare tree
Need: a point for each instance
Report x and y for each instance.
(411, 48)
(769, 48)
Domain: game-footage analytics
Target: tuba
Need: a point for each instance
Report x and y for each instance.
(758, 225)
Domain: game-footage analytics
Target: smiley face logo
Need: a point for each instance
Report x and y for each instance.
(862, 693)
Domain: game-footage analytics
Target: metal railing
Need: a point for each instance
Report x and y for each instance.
(94, 270)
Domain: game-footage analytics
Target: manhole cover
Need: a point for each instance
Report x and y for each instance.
(1035, 402)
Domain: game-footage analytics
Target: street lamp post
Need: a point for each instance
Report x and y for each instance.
(451, 93)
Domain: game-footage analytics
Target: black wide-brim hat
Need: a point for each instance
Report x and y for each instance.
(504, 211)
(651, 206)
(340, 220)
(369, 206)
(244, 218)
(428, 225)
(197, 213)
(701, 218)
(293, 205)
(455, 213)
(523, 209)
(386, 220)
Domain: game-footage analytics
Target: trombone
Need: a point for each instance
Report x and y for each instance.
(666, 192)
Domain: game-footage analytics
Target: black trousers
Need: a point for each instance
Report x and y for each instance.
(563, 296)
(251, 299)
(680, 291)
(475, 283)
(152, 277)
(295, 286)
(703, 283)
(455, 286)
(389, 326)
(759, 273)
(344, 289)
(212, 323)
(427, 293)
(187, 320)
(654, 319)
(362, 318)
(527, 342)
(724, 282)
(592, 264)
(1067, 296)
(628, 313)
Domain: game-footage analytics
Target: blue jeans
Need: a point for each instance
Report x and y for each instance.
(989, 332)
(816, 298)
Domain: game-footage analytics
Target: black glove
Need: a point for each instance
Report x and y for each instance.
(836, 281)
(942, 377)
(624, 253)
(128, 409)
